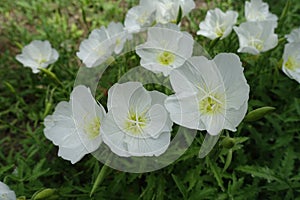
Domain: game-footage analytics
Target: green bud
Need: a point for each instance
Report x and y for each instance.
(47, 193)
(257, 114)
(228, 142)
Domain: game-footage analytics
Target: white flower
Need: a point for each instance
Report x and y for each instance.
(256, 37)
(37, 54)
(291, 60)
(257, 10)
(167, 10)
(294, 36)
(140, 16)
(96, 49)
(209, 94)
(75, 125)
(166, 48)
(118, 35)
(217, 24)
(137, 124)
(6, 193)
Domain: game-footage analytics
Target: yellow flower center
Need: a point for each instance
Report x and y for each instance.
(291, 64)
(256, 43)
(210, 105)
(166, 58)
(219, 31)
(135, 123)
(92, 128)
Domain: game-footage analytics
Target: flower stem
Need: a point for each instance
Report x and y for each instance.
(51, 74)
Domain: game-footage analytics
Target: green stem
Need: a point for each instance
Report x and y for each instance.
(51, 74)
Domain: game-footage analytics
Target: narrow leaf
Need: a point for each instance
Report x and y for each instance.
(180, 186)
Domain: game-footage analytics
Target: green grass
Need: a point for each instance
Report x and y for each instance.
(262, 164)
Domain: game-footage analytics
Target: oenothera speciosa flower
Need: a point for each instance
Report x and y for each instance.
(6, 193)
(101, 43)
(137, 124)
(118, 36)
(291, 60)
(37, 54)
(256, 37)
(209, 94)
(294, 36)
(140, 16)
(217, 24)
(166, 48)
(75, 125)
(167, 11)
(257, 10)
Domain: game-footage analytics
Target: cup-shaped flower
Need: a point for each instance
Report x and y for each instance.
(167, 11)
(209, 94)
(256, 37)
(166, 48)
(37, 54)
(217, 24)
(96, 49)
(140, 16)
(294, 36)
(291, 60)
(6, 193)
(75, 125)
(137, 124)
(257, 10)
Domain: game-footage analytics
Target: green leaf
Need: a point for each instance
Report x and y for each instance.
(99, 179)
(216, 172)
(257, 114)
(180, 186)
(228, 160)
(261, 172)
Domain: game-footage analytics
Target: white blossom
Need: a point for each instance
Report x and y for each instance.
(209, 94)
(217, 24)
(256, 37)
(75, 125)
(291, 61)
(37, 54)
(137, 124)
(166, 48)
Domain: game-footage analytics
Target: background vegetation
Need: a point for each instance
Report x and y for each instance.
(263, 163)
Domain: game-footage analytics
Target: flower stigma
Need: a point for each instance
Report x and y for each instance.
(210, 105)
(135, 122)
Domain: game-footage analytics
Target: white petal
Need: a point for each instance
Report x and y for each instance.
(234, 117)
(120, 94)
(184, 110)
(113, 136)
(158, 118)
(148, 146)
(237, 89)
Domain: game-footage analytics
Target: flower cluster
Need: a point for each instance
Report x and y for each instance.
(209, 94)
(255, 35)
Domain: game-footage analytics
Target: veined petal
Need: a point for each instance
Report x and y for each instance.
(237, 89)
